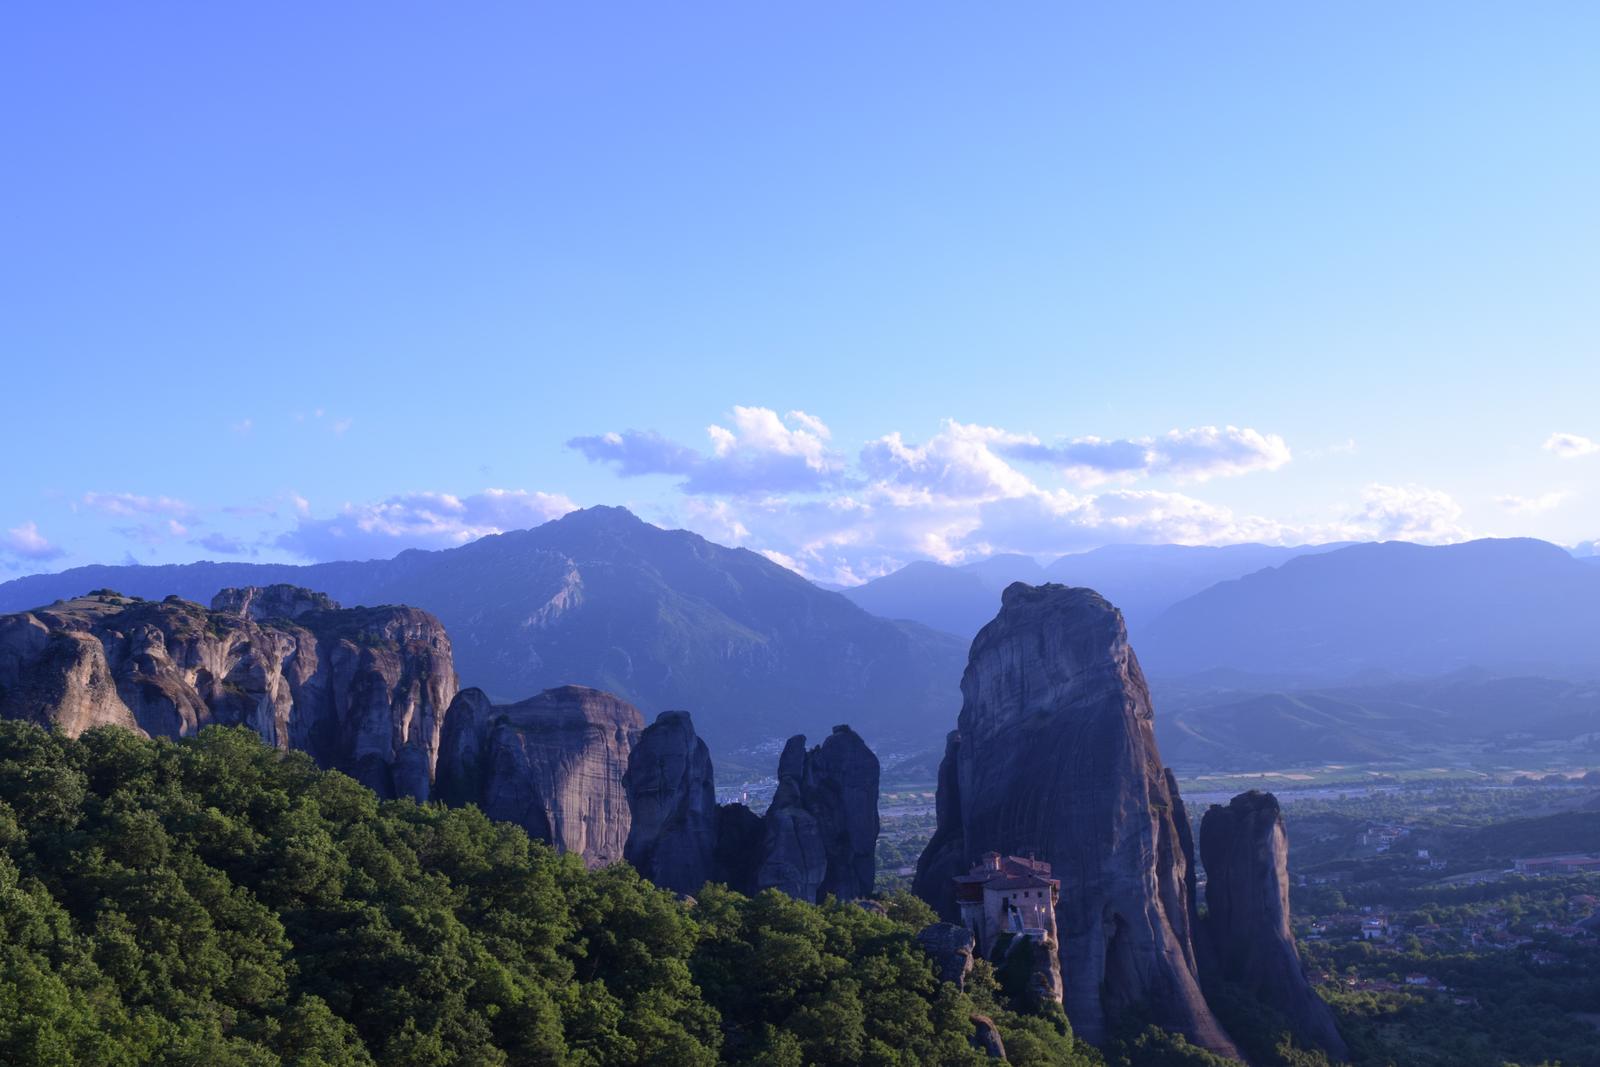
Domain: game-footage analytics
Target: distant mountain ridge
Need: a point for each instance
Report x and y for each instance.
(1141, 580)
(1506, 606)
(663, 618)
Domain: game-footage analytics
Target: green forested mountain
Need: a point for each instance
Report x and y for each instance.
(216, 902)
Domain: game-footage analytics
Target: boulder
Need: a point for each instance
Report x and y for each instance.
(986, 1037)
(951, 947)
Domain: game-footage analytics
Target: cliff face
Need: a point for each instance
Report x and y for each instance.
(818, 837)
(1245, 849)
(673, 798)
(821, 830)
(553, 764)
(1055, 756)
(362, 690)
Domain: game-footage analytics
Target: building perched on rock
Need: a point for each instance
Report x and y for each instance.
(1008, 894)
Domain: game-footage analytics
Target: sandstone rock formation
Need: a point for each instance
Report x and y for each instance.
(951, 947)
(264, 604)
(1055, 756)
(821, 830)
(362, 690)
(818, 837)
(673, 799)
(553, 764)
(1245, 849)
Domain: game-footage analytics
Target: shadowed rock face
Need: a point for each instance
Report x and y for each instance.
(553, 764)
(822, 825)
(818, 837)
(673, 798)
(1245, 849)
(359, 689)
(951, 947)
(1055, 756)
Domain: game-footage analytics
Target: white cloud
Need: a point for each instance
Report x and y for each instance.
(419, 520)
(762, 453)
(960, 462)
(1197, 454)
(956, 495)
(1406, 513)
(154, 533)
(716, 520)
(243, 426)
(1533, 505)
(637, 452)
(1570, 445)
(132, 505)
(26, 542)
(224, 545)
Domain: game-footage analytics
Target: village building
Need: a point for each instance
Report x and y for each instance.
(1008, 894)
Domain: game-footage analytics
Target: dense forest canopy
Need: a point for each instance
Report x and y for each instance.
(216, 902)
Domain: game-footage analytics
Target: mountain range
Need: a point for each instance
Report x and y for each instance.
(1141, 580)
(1253, 652)
(1514, 606)
(663, 618)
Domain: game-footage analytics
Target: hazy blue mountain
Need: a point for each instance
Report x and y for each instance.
(1142, 580)
(1507, 606)
(957, 600)
(1145, 580)
(663, 618)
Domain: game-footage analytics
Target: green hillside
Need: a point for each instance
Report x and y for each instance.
(214, 902)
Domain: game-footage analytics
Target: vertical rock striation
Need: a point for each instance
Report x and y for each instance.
(1055, 756)
(362, 690)
(821, 830)
(818, 837)
(673, 798)
(1245, 849)
(554, 764)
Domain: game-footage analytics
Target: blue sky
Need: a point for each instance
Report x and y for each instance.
(310, 281)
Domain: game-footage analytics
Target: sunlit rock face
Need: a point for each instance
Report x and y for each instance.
(362, 690)
(554, 764)
(1054, 756)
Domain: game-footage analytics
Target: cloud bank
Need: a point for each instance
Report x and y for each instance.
(1570, 445)
(761, 453)
(418, 520)
(27, 543)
